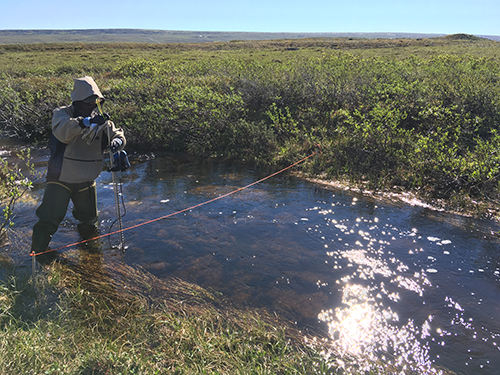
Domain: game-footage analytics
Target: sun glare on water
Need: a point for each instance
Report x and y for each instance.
(364, 328)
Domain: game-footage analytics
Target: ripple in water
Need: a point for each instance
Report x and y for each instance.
(378, 323)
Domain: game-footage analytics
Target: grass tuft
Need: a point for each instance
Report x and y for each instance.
(123, 320)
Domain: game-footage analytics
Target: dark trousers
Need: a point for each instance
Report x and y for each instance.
(54, 206)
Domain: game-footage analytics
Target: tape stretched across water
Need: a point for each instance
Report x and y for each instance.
(178, 212)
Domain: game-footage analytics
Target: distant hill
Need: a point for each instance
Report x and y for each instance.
(170, 36)
(166, 36)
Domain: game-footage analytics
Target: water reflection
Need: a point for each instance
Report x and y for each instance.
(395, 295)
(366, 331)
(379, 276)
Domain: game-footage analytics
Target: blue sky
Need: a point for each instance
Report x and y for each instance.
(478, 17)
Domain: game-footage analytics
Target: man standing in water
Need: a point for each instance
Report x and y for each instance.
(77, 143)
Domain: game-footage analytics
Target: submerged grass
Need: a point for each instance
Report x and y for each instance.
(126, 321)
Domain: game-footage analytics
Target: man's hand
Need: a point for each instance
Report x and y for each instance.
(115, 145)
(97, 119)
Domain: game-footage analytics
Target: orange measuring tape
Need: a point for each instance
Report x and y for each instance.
(181, 211)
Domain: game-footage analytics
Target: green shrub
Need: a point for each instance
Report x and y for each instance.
(420, 122)
(14, 183)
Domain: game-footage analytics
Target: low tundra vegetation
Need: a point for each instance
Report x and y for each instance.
(427, 123)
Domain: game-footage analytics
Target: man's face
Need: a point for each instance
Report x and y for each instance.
(84, 109)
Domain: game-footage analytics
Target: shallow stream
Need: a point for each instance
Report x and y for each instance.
(404, 283)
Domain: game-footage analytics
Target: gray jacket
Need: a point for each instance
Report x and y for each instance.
(72, 160)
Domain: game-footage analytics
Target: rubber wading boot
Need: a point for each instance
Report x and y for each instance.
(40, 245)
(88, 232)
(47, 257)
